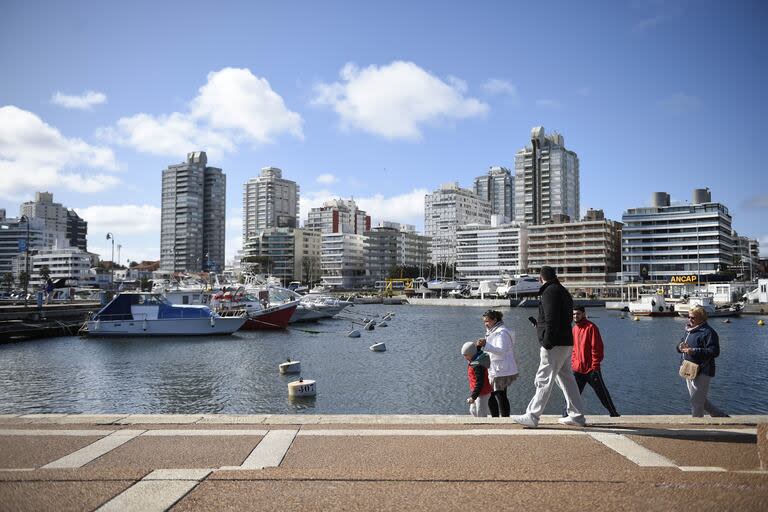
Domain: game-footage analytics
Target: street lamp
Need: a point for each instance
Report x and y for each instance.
(26, 260)
(110, 236)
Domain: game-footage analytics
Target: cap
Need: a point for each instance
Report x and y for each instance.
(468, 349)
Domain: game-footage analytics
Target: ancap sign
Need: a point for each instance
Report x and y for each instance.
(683, 279)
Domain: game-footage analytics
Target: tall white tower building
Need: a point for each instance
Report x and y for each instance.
(498, 188)
(445, 210)
(269, 201)
(546, 179)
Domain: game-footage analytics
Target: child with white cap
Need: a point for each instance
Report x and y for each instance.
(477, 374)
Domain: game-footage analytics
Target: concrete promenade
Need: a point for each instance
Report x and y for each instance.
(380, 462)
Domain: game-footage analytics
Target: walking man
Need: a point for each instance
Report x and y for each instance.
(553, 328)
(587, 356)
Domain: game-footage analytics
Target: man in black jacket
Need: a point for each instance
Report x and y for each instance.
(553, 328)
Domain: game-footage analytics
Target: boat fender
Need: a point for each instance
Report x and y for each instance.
(213, 322)
(144, 324)
(97, 325)
(661, 309)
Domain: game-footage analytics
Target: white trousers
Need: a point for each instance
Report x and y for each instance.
(555, 367)
(480, 409)
(698, 389)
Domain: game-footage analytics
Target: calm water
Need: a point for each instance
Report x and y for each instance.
(422, 371)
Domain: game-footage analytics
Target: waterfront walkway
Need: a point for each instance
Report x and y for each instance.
(388, 462)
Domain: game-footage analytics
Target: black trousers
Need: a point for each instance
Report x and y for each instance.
(595, 379)
(498, 403)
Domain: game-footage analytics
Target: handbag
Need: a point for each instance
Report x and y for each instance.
(689, 370)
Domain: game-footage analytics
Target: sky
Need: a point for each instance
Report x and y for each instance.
(382, 102)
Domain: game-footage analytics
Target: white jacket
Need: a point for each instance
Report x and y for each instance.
(500, 344)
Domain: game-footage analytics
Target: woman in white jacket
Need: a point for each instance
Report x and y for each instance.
(499, 342)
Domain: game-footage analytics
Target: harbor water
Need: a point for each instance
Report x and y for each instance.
(421, 372)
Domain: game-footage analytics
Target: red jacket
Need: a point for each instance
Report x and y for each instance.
(587, 347)
(473, 372)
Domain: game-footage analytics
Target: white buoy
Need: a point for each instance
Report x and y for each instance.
(302, 388)
(369, 326)
(354, 333)
(378, 347)
(290, 367)
(382, 324)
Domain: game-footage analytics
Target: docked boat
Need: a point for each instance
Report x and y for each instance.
(440, 284)
(261, 312)
(652, 305)
(151, 314)
(518, 286)
(707, 303)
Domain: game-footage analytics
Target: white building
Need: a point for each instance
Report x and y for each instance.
(666, 240)
(485, 252)
(445, 210)
(70, 263)
(546, 179)
(338, 216)
(14, 234)
(286, 253)
(343, 260)
(269, 201)
(498, 188)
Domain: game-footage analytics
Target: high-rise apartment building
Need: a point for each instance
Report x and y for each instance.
(746, 257)
(393, 245)
(583, 253)
(487, 252)
(498, 188)
(57, 218)
(666, 240)
(338, 216)
(343, 259)
(546, 179)
(445, 210)
(193, 218)
(269, 201)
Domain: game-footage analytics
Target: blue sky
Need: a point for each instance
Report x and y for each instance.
(380, 103)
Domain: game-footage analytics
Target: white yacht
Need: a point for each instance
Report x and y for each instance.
(519, 286)
(652, 305)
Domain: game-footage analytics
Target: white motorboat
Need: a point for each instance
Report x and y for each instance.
(708, 304)
(439, 284)
(652, 305)
(151, 314)
(518, 286)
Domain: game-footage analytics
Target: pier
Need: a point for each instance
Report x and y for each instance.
(18, 322)
(379, 462)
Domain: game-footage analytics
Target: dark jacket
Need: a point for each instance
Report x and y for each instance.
(477, 373)
(555, 312)
(706, 344)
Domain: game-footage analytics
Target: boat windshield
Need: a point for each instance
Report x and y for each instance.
(154, 299)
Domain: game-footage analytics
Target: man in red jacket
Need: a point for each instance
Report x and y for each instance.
(586, 357)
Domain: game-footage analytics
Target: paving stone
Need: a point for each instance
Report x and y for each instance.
(762, 445)
(732, 452)
(33, 452)
(58, 496)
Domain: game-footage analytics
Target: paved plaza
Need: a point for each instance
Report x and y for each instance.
(371, 462)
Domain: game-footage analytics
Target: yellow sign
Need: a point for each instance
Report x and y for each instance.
(683, 279)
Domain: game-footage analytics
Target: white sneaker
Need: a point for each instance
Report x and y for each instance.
(572, 422)
(525, 420)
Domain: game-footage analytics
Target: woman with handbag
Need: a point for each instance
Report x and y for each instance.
(700, 346)
(499, 342)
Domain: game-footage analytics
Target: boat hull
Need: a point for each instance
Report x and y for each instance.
(270, 319)
(165, 327)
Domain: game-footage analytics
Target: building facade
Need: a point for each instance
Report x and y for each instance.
(57, 218)
(343, 258)
(583, 253)
(393, 245)
(193, 216)
(498, 188)
(546, 179)
(746, 257)
(77, 231)
(338, 216)
(487, 252)
(445, 210)
(269, 201)
(666, 240)
(290, 254)
(69, 263)
(16, 235)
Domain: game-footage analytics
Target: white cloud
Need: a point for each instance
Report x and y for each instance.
(548, 103)
(35, 155)
(83, 102)
(757, 202)
(395, 100)
(233, 107)
(127, 219)
(680, 103)
(326, 179)
(502, 87)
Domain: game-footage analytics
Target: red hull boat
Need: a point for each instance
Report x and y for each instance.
(271, 318)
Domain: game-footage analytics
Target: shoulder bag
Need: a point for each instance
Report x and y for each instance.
(688, 369)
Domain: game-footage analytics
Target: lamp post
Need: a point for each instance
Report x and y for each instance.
(110, 236)
(26, 259)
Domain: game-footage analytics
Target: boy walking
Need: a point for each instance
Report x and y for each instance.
(477, 374)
